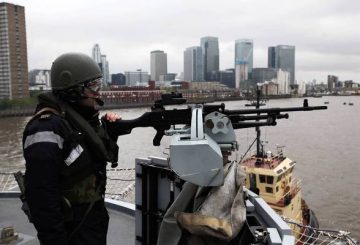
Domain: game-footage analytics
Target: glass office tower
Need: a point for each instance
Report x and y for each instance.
(210, 52)
(193, 64)
(283, 57)
(244, 54)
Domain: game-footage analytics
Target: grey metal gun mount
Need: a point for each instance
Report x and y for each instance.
(196, 149)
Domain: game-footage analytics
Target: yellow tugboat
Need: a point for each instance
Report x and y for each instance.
(271, 177)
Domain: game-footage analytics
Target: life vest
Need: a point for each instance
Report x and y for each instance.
(86, 152)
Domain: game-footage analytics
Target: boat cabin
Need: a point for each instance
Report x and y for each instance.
(271, 177)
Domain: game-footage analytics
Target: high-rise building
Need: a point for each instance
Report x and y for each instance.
(105, 69)
(13, 52)
(226, 77)
(283, 57)
(96, 53)
(137, 78)
(332, 81)
(241, 73)
(158, 64)
(193, 64)
(278, 76)
(118, 79)
(261, 75)
(244, 57)
(39, 79)
(102, 62)
(167, 77)
(210, 52)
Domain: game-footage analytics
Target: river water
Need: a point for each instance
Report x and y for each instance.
(325, 145)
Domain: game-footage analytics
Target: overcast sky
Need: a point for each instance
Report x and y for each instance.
(326, 33)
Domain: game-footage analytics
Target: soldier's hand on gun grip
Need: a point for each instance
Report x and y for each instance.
(111, 117)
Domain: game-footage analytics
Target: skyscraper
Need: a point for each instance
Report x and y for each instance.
(244, 54)
(13, 52)
(193, 64)
(283, 57)
(241, 73)
(102, 62)
(158, 64)
(137, 78)
(210, 52)
(96, 53)
(332, 81)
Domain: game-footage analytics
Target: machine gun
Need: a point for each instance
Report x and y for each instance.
(196, 148)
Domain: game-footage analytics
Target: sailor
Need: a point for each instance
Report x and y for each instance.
(66, 148)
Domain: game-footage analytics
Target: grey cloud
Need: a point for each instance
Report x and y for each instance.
(323, 31)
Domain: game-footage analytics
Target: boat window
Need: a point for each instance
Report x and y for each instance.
(269, 189)
(262, 178)
(277, 188)
(270, 179)
(290, 179)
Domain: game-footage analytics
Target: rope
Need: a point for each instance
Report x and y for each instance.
(247, 150)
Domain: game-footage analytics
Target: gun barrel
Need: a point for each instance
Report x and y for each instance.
(240, 118)
(274, 110)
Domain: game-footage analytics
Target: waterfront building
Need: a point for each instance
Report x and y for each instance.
(283, 80)
(350, 84)
(101, 60)
(241, 73)
(206, 86)
(270, 88)
(226, 77)
(210, 53)
(244, 58)
(283, 57)
(39, 80)
(13, 52)
(158, 64)
(260, 75)
(105, 69)
(332, 81)
(118, 79)
(137, 78)
(193, 64)
(278, 76)
(167, 77)
(301, 88)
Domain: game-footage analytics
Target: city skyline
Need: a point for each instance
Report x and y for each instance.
(322, 32)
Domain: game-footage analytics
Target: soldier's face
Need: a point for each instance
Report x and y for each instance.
(92, 92)
(90, 101)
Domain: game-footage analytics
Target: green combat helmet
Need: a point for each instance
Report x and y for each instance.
(71, 69)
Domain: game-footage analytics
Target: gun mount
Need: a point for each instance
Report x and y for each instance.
(206, 131)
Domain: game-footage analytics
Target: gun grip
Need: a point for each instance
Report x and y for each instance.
(158, 136)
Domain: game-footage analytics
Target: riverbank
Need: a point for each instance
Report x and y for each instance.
(23, 112)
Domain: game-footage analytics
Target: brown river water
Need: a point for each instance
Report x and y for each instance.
(324, 144)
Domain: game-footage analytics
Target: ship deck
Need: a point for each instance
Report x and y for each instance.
(265, 163)
(121, 227)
